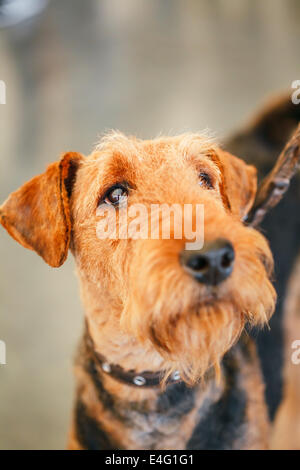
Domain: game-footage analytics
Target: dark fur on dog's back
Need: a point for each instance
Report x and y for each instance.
(260, 144)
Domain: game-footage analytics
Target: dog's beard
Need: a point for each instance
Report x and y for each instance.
(191, 326)
(191, 340)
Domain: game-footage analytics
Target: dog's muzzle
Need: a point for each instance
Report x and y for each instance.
(212, 264)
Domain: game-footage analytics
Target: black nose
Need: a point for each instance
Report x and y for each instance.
(210, 265)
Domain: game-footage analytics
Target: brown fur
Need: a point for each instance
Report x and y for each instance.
(141, 307)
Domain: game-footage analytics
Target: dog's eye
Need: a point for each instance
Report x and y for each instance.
(205, 180)
(116, 195)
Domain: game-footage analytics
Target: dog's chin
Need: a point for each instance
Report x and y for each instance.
(195, 342)
(194, 338)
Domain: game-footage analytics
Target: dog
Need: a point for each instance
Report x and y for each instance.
(166, 361)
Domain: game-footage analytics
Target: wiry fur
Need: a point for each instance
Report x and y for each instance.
(142, 308)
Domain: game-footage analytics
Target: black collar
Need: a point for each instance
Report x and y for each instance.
(130, 377)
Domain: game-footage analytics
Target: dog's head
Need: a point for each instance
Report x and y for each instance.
(188, 297)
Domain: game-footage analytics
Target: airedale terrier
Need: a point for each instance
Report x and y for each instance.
(160, 365)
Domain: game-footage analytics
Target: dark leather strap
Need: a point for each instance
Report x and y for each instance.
(143, 380)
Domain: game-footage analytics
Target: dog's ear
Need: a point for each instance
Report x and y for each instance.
(37, 215)
(240, 182)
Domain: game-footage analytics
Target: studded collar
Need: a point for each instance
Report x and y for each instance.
(130, 377)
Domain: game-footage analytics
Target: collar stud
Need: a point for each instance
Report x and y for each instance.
(176, 375)
(139, 380)
(106, 367)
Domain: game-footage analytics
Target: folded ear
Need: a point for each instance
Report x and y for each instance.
(37, 215)
(240, 183)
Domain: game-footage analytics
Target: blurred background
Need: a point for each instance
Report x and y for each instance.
(74, 69)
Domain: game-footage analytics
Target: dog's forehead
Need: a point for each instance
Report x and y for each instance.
(120, 150)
